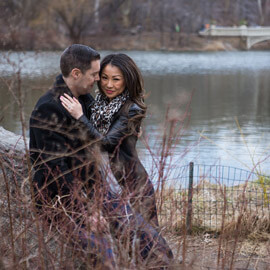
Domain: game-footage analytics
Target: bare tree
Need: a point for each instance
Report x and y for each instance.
(97, 4)
(74, 16)
(24, 21)
(264, 10)
(20, 20)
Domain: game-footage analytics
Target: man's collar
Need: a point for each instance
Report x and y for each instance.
(61, 87)
(59, 80)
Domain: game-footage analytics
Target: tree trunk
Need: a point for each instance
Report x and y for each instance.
(260, 11)
(96, 12)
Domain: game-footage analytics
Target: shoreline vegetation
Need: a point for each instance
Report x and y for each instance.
(126, 24)
(146, 41)
(172, 42)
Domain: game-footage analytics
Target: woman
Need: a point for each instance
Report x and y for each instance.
(115, 119)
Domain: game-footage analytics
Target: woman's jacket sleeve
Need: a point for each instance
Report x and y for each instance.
(118, 130)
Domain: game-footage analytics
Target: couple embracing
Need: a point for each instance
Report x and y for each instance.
(70, 131)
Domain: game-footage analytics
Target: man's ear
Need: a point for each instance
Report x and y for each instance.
(75, 73)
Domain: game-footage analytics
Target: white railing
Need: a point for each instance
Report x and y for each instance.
(236, 31)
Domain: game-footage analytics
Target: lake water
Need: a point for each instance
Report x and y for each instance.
(227, 122)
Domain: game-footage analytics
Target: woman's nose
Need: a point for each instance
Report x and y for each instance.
(109, 84)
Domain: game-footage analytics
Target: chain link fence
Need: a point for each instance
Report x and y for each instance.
(204, 196)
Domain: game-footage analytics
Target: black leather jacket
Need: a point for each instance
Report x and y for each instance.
(120, 143)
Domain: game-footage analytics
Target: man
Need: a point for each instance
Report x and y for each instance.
(56, 141)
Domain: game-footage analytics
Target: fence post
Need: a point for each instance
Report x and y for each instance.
(190, 191)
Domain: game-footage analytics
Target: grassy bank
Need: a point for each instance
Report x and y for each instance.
(146, 41)
(28, 242)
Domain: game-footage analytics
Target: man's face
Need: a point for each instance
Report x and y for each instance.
(86, 81)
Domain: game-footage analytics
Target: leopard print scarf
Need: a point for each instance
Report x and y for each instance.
(103, 110)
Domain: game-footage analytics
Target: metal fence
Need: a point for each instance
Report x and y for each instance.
(206, 195)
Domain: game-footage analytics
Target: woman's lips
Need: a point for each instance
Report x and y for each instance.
(109, 91)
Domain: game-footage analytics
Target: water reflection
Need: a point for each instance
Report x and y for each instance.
(229, 95)
(32, 89)
(215, 96)
(229, 121)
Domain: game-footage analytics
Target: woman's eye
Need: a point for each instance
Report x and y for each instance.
(103, 78)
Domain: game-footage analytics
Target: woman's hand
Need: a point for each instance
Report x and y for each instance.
(72, 105)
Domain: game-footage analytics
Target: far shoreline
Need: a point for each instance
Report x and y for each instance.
(146, 41)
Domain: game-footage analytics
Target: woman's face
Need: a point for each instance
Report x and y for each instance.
(112, 81)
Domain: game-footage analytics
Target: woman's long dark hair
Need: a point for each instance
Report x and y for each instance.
(131, 73)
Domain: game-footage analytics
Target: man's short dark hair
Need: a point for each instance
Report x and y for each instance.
(77, 56)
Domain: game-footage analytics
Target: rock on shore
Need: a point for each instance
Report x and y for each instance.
(12, 152)
(11, 142)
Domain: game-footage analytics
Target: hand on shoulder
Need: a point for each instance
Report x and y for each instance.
(72, 105)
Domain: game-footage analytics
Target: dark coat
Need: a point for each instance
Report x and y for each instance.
(55, 140)
(120, 143)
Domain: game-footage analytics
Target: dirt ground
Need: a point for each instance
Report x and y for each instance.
(202, 253)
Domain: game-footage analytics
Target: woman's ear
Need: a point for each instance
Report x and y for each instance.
(75, 73)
